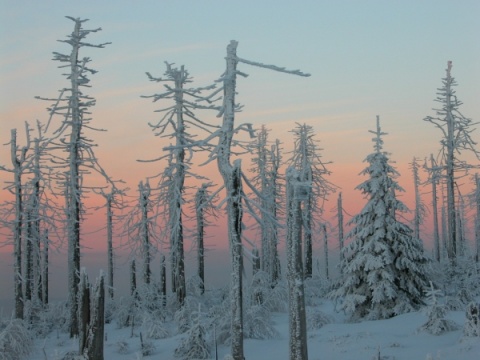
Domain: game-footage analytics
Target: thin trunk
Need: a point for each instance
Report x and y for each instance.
(477, 220)
(340, 229)
(144, 230)
(444, 231)
(17, 229)
(84, 311)
(307, 213)
(133, 279)
(45, 268)
(436, 236)
(325, 249)
(110, 245)
(28, 257)
(74, 187)
(163, 280)
(200, 199)
(297, 316)
(451, 211)
(255, 261)
(36, 236)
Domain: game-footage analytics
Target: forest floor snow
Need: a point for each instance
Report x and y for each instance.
(396, 338)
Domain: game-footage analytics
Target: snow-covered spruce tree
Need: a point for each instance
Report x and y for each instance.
(195, 345)
(384, 267)
(456, 137)
(436, 323)
(73, 106)
(178, 118)
(297, 191)
(307, 160)
(434, 173)
(266, 164)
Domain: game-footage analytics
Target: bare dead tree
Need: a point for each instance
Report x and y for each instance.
(178, 118)
(297, 191)
(73, 106)
(456, 137)
(434, 172)
(306, 158)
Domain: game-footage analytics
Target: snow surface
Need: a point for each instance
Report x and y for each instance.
(396, 338)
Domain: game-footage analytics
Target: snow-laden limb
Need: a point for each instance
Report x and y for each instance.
(384, 268)
(16, 341)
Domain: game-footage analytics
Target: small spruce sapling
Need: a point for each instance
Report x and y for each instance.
(436, 323)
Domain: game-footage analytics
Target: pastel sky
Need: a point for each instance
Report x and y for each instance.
(366, 58)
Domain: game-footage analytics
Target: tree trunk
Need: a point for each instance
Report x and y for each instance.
(84, 311)
(477, 220)
(307, 213)
(17, 229)
(325, 249)
(110, 245)
(451, 211)
(436, 236)
(163, 280)
(133, 279)
(74, 185)
(94, 346)
(233, 184)
(45, 268)
(200, 203)
(340, 229)
(297, 316)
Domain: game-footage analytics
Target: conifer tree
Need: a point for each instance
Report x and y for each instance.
(384, 268)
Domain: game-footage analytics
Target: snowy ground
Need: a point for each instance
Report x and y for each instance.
(396, 338)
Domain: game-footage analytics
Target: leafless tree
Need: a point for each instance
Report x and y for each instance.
(456, 137)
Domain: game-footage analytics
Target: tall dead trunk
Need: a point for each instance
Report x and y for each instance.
(295, 276)
(340, 229)
(477, 218)
(45, 265)
(17, 162)
(325, 250)
(110, 245)
(163, 280)
(436, 234)
(200, 203)
(94, 345)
